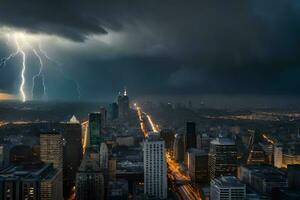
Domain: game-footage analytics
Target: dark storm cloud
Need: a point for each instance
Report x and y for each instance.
(212, 45)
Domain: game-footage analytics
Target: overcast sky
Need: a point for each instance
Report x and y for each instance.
(247, 47)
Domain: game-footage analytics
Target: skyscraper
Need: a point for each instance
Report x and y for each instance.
(198, 165)
(123, 103)
(113, 111)
(51, 148)
(178, 148)
(190, 137)
(155, 167)
(222, 158)
(89, 179)
(72, 153)
(103, 156)
(103, 113)
(94, 129)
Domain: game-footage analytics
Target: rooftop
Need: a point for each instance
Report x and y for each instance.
(222, 141)
(228, 181)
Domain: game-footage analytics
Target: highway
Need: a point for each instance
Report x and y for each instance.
(182, 182)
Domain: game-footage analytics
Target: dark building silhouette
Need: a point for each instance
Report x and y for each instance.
(22, 154)
(168, 136)
(190, 136)
(113, 111)
(123, 103)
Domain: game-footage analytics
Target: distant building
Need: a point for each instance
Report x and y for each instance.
(103, 112)
(203, 142)
(263, 178)
(39, 181)
(125, 141)
(123, 103)
(222, 157)
(38, 91)
(178, 148)
(89, 179)
(190, 136)
(103, 156)
(168, 136)
(51, 149)
(113, 111)
(256, 155)
(112, 168)
(198, 165)
(95, 129)
(285, 155)
(155, 167)
(227, 188)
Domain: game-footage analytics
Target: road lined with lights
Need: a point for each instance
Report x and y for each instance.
(184, 188)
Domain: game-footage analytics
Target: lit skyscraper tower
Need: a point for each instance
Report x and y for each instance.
(123, 103)
(94, 129)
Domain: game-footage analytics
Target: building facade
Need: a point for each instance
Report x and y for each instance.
(155, 167)
(227, 188)
(222, 158)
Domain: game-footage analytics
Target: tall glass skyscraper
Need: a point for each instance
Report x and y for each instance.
(94, 129)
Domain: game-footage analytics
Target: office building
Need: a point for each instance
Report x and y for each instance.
(222, 157)
(227, 188)
(123, 104)
(95, 129)
(103, 113)
(178, 148)
(263, 178)
(51, 149)
(89, 179)
(72, 153)
(198, 165)
(287, 154)
(34, 181)
(190, 136)
(103, 156)
(155, 167)
(168, 136)
(113, 111)
(203, 142)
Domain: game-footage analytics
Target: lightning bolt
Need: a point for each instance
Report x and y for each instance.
(39, 74)
(58, 64)
(21, 89)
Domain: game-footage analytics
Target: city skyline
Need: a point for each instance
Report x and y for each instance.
(91, 50)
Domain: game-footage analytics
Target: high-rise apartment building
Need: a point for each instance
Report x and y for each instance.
(155, 167)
